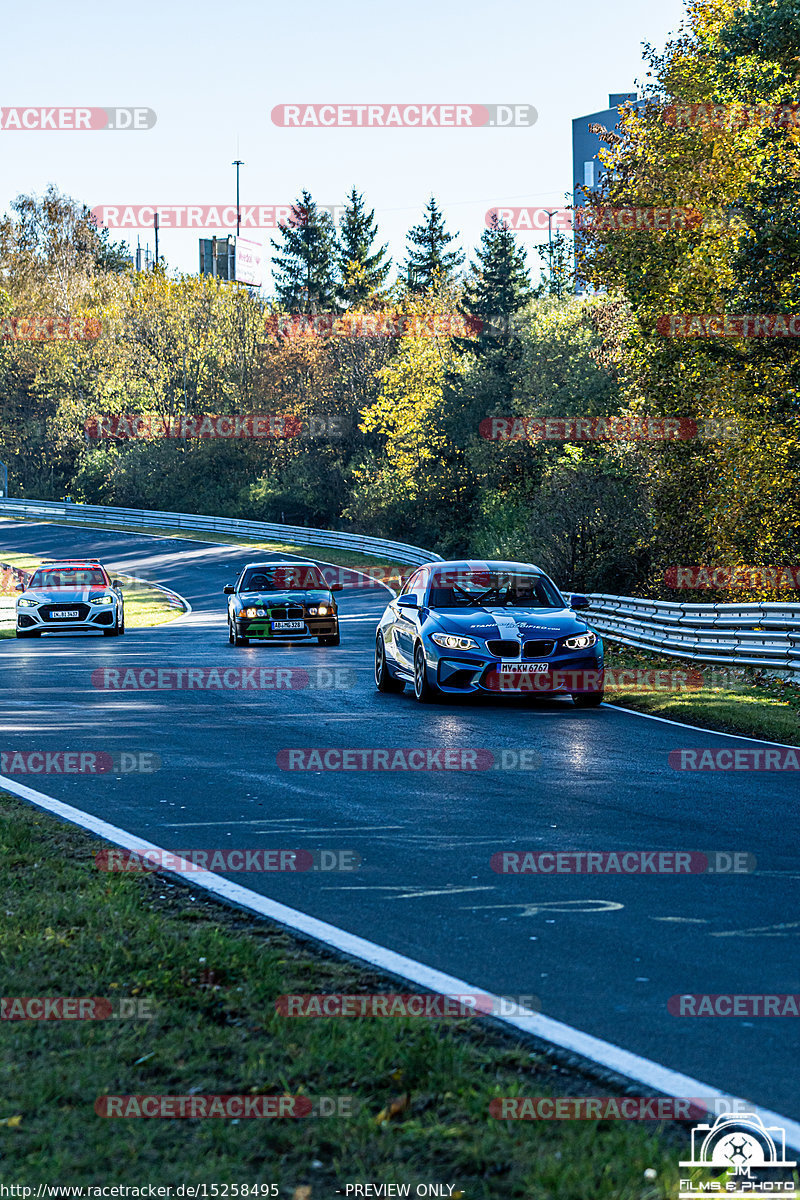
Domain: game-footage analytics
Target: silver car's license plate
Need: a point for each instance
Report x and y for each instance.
(520, 668)
(67, 612)
(288, 626)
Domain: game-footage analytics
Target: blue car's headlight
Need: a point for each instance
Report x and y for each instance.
(449, 641)
(581, 641)
(102, 600)
(23, 603)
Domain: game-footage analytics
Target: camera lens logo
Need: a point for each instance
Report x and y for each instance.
(738, 1143)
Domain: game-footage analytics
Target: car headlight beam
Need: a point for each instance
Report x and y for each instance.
(581, 641)
(449, 641)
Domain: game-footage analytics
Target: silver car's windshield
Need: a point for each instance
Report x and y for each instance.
(496, 589)
(67, 577)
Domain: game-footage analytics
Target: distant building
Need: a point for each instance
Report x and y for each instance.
(587, 170)
(218, 257)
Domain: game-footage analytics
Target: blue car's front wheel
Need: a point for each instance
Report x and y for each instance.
(424, 691)
(384, 682)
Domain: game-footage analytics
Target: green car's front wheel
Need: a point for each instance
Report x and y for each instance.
(234, 637)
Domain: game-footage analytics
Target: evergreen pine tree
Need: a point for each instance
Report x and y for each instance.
(304, 267)
(429, 261)
(497, 287)
(361, 273)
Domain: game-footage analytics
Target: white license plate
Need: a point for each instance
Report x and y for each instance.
(288, 626)
(68, 612)
(520, 668)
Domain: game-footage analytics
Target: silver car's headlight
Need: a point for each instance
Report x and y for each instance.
(581, 641)
(449, 641)
(102, 600)
(26, 603)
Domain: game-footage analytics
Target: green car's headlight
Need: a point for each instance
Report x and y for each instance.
(250, 612)
(581, 641)
(23, 603)
(449, 641)
(102, 600)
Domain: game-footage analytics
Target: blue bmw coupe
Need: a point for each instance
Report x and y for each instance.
(472, 626)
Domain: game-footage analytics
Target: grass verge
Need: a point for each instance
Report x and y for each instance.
(210, 976)
(741, 700)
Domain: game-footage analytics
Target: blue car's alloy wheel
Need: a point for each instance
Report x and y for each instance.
(422, 688)
(384, 682)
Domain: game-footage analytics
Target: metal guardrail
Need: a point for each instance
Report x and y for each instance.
(96, 514)
(745, 635)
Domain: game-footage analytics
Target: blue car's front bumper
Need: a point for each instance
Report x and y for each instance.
(567, 673)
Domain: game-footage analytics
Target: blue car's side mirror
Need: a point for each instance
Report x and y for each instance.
(579, 602)
(407, 602)
(229, 589)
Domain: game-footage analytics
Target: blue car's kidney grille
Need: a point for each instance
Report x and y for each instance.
(286, 612)
(537, 649)
(503, 649)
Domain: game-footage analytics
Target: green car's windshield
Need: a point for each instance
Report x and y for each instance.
(281, 579)
(492, 589)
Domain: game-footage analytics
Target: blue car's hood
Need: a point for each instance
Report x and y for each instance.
(495, 622)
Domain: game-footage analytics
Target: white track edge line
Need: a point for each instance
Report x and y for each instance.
(641, 1070)
(740, 737)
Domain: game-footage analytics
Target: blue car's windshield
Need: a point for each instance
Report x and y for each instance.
(494, 589)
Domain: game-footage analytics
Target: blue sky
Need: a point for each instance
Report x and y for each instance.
(213, 72)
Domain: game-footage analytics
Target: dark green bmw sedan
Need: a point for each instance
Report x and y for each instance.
(282, 601)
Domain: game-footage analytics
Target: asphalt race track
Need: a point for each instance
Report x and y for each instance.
(602, 953)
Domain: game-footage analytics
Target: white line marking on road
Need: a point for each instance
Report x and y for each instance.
(740, 737)
(559, 906)
(623, 1062)
(779, 930)
(406, 893)
(683, 920)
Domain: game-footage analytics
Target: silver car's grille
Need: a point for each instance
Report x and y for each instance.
(47, 612)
